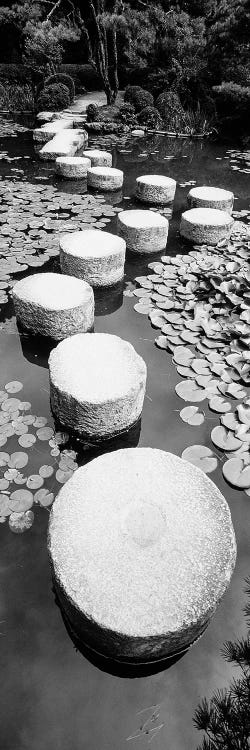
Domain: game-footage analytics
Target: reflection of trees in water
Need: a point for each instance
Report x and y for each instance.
(175, 147)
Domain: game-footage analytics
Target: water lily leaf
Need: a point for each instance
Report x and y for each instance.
(229, 421)
(4, 458)
(185, 372)
(44, 497)
(183, 355)
(203, 380)
(46, 471)
(201, 456)
(236, 391)
(192, 416)
(40, 422)
(4, 505)
(14, 386)
(218, 404)
(34, 481)
(161, 342)
(20, 501)
(20, 522)
(18, 460)
(3, 440)
(4, 484)
(236, 473)
(26, 441)
(243, 414)
(10, 404)
(200, 366)
(63, 476)
(224, 439)
(189, 391)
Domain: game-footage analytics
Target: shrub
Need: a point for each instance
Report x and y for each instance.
(4, 100)
(92, 112)
(21, 98)
(53, 98)
(129, 93)
(83, 75)
(127, 115)
(15, 74)
(157, 82)
(232, 102)
(150, 117)
(65, 80)
(138, 97)
(170, 109)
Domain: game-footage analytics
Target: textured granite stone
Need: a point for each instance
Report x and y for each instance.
(72, 167)
(143, 231)
(99, 158)
(65, 143)
(206, 225)
(50, 304)
(105, 178)
(155, 188)
(211, 197)
(48, 131)
(93, 255)
(143, 548)
(97, 384)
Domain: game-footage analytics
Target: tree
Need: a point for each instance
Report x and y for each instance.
(101, 21)
(225, 719)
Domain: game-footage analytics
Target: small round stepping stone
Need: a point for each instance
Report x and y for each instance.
(206, 225)
(211, 197)
(105, 178)
(143, 231)
(155, 188)
(98, 158)
(95, 256)
(97, 384)
(143, 548)
(72, 167)
(53, 305)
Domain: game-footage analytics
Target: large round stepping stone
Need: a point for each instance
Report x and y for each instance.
(72, 167)
(206, 225)
(105, 178)
(211, 197)
(95, 256)
(143, 548)
(155, 188)
(99, 158)
(143, 231)
(53, 305)
(97, 384)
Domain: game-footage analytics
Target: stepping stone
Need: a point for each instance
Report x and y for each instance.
(155, 188)
(143, 231)
(97, 385)
(142, 549)
(53, 305)
(99, 158)
(93, 255)
(211, 197)
(138, 133)
(105, 178)
(50, 129)
(206, 225)
(65, 143)
(72, 167)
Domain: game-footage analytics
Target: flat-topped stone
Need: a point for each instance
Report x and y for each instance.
(65, 143)
(72, 167)
(93, 255)
(53, 305)
(99, 158)
(50, 129)
(206, 225)
(97, 384)
(105, 178)
(143, 231)
(155, 188)
(143, 548)
(211, 197)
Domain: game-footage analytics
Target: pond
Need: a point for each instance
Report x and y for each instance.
(52, 695)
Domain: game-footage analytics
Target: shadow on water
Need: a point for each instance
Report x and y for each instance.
(109, 300)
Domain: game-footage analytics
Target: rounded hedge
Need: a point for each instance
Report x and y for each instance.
(53, 98)
(130, 92)
(127, 115)
(63, 78)
(92, 112)
(139, 97)
(150, 118)
(170, 108)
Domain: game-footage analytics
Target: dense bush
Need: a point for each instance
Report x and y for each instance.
(3, 97)
(63, 78)
(84, 76)
(130, 92)
(157, 82)
(170, 108)
(127, 115)
(232, 102)
(53, 98)
(14, 74)
(151, 118)
(16, 98)
(92, 112)
(139, 97)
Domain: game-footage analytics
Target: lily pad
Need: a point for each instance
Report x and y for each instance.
(20, 522)
(14, 386)
(4, 505)
(20, 501)
(224, 439)
(26, 441)
(192, 416)
(189, 391)
(236, 473)
(18, 460)
(201, 456)
(44, 497)
(34, 481)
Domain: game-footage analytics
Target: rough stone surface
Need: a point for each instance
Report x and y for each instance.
(155, 188)
(93, 255)
(49, 130)
(65, 143)
(105, 178)
(206, 225)
(50, 304)
(143, 231)
(97, 384)
(211, 197)
(143, 548)
(72, 167)
(99, 158)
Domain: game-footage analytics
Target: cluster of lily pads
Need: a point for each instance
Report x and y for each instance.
(9, 128)
(239, 161)
(201, 303)
(31, 216)
(20, 489)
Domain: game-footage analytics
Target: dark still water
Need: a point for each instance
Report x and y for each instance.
(52, 697)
